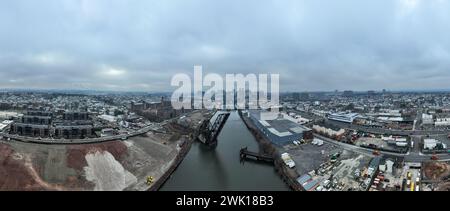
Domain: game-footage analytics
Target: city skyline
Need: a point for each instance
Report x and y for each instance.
(198, 97)
(313, 45)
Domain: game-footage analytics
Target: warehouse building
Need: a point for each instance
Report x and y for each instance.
(442, 122)
(278, 129)
(343, 117)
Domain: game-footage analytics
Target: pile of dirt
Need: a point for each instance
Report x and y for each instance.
(177, 128)
(15, 175)
(436, 170)
(107, 173)
(445, 186)
(76, 154)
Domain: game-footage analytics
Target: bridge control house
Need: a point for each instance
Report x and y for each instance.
(279, 128)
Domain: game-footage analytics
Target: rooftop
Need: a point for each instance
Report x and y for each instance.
(279, 125)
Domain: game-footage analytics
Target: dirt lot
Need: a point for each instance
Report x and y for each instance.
(444, 186)
(113, 165)
(14, 175)
(436, 170)
(438, 173)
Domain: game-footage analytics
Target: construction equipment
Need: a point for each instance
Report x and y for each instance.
(412, 186)
(288, 160)
(334, 157)
(150, 180)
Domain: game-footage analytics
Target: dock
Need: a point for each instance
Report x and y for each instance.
(246, 154)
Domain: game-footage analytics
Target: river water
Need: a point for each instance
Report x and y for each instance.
(220, 169)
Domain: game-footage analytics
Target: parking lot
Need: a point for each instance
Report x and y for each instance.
(328, 167)
(411, 176)
(308, 157)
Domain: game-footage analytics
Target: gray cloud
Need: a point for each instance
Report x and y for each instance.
(140, 45)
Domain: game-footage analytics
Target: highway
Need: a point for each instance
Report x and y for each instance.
(412, 156)
(377, 130)
(408, 157)
(387, 131)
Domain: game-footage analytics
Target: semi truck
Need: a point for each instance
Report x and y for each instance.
(288, 160)
(412, 186)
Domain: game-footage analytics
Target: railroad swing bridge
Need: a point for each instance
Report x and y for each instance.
(209, 131)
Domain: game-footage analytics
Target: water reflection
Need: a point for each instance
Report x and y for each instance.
(220, 168)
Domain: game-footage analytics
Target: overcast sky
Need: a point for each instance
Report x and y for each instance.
(139, 45)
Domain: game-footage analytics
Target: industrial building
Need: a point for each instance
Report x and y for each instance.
(342, 117)
(308, 183)
(427, 119)
(433, 144)
(278, 129)
(156, 111)
(108, 118)
(442, 122)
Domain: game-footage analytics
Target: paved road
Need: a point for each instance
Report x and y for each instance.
(416, 143)
(378, 130)
(409, 157)
(155, 127)
(387, 131)
(81, 141)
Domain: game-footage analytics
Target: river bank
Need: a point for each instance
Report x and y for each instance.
(119, 165)
(288, 176)
(219, 168)
(185, 147)
(178, 160)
